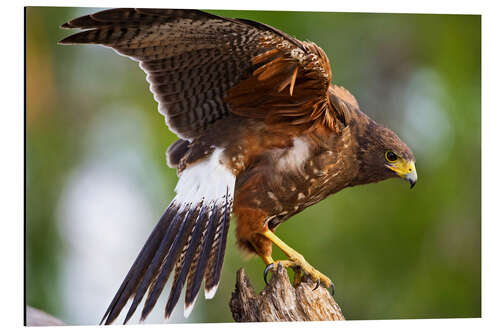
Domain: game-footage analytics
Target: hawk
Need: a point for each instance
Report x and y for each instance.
(263, 134)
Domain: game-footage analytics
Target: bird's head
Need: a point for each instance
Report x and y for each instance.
(382, 155)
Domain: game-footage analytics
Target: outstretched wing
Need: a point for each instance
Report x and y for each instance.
(202, 67)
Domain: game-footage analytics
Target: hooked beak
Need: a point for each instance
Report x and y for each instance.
(411, 178)
(406, 170)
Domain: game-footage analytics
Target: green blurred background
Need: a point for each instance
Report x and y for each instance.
(97, 179)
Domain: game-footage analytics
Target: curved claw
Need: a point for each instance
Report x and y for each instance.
(317, 284)
(266, 271)
(333, 289)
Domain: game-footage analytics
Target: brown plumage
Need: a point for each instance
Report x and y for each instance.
(261, 128)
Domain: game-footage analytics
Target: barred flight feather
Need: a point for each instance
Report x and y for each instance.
(202, 67)
(179, 49)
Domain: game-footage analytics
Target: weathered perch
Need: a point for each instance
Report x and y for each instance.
(280, 301)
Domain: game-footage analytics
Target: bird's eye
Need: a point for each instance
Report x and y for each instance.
(391, 156)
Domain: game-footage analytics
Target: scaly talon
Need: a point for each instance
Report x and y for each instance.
(296, 262)
(266, 271)
(317, 284)
(333, 288)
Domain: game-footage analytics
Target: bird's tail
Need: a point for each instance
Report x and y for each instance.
(189, 240)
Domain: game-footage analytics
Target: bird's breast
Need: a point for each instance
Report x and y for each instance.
(287, 180)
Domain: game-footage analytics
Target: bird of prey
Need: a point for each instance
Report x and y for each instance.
(263, 134)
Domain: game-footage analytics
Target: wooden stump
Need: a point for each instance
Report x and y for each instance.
(280, 301)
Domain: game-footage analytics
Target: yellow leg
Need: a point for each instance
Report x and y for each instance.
(296, 260)
(267, 259)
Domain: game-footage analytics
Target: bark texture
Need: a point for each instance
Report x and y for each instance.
(280, 301)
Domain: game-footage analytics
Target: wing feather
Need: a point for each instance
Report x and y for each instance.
(202, 67)
(305, 105)
(192, 58)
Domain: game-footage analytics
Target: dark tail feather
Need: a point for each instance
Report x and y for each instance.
(185, 263)
(154, 267)
(197, 270)
(139, 266)
(190, 238)
(171, 258)
(216, 257)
